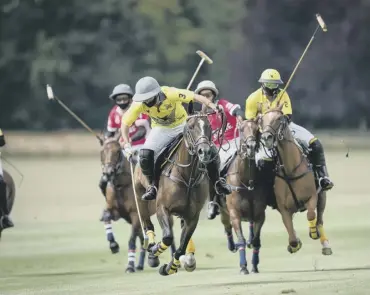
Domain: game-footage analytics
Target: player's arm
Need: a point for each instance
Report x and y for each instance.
(234, 110)
(250, 108)
(129, 118)
(187, 96)
(287, 107)
(2, 138)
(143, 127)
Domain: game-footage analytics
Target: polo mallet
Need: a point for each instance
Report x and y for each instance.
(146, 239)
(322, 25)
(51, 96)
(204, 57)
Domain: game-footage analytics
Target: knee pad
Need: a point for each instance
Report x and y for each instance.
(146, 158)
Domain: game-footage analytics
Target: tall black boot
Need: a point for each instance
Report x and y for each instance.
(317, 158)
(221, 187)
(267, 174)
(147, 167)
(5, 220)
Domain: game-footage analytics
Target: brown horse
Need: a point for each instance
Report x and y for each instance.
(248, 200)
(183, 190)
(10, 196)
(295, 187)
(121, 201)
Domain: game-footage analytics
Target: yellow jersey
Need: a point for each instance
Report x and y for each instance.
(259, 98)
(170, 113)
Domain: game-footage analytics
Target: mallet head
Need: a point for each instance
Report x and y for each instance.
(321, 22)
(50, 92)
(205, 57)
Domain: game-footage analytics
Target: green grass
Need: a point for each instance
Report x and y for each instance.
(59, 247)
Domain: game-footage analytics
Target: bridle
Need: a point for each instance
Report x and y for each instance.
(110, 169)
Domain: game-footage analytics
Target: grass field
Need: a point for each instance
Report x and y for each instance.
(58, 245)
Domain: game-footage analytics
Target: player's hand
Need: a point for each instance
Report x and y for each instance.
(128, 150)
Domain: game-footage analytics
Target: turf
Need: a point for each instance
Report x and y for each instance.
(58, 245)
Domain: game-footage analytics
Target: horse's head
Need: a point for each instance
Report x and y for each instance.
(197, 135)
(273, 123)
(248, 131)
(111, 157)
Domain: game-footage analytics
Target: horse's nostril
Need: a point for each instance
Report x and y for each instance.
(200, 151)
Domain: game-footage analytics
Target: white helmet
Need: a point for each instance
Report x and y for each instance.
(206, 84)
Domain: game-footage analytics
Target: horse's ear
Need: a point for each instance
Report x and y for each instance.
(280, 106)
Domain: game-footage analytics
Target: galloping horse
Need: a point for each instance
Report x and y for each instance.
(183, 190)
(10, 196)
(295, 187)
(248, 200)
(121, 200)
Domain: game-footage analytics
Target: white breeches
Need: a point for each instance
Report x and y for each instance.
(298, 132)
(159, 137)
(228, 149)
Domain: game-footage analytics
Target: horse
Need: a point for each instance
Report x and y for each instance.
(183, 190)
(10, 196)
(248, 201)
(295, 185)
(121, 201)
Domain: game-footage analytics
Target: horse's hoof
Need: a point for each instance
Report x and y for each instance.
(130, 269)
(140, 267)
(255, 269)
(190, 264)
(294, 247)
(114, 247)
(314, 233)
(153, 261)
(244, 271)
(162, 270)
(327, 251)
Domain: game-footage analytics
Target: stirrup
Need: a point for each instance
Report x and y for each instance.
(222, 182)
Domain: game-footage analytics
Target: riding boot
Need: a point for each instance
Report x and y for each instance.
(5, 220)
(317, 158)
(213, 206)
(220, 185)
(147, 167)
(267, 174)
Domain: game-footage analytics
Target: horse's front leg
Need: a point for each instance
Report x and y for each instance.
(188, 229)
(131, 256)
(241, 244)
(295, 243)
(225, 219)
(256, 241)
(163, 216)
(311, 217)
(113, 245)
(321, 204)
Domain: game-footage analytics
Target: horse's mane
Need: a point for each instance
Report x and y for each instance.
(275, 109)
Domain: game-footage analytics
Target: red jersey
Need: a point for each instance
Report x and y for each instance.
(114, 124)
(216, 123)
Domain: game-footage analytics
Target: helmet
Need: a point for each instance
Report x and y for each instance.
(270, 78)
(206, 84)
(145, 89)
(121, 89)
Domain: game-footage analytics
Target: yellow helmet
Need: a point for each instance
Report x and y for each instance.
(270, 77)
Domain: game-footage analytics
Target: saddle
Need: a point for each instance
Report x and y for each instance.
(166, 153)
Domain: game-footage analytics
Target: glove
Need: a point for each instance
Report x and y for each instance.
(128, 150)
